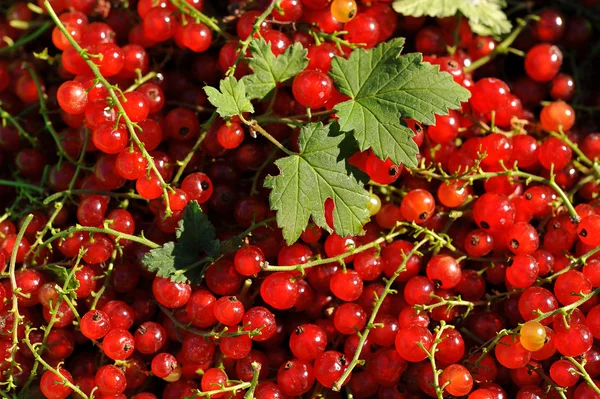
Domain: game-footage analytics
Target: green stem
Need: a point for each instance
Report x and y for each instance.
(44, 113)
(61, 194)
(257, 128)
(371, 322)
(117, 234)
(439, 391)
(17, 318)
(53, 316)
(207, 334)
(19, 184)
(26, 39)
(13, 121)
(584, 374)
(188, 9)
(244, 44)
(502, 47)
(138, 82)
(195, 148)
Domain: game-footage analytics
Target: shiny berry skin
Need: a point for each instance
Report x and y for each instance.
(295, 377)
(159, 24)
(349, 318)
(344, 10)
(493, 212)
(110, 380)
(52, 385)
(109, 139)
(230, 136)
(557, 116)
(570, 285)
(312, 88)
(259, 316)
(564, 373)
(543, 62)
(72, 97)
(443, 271)
(229, 311)
(532, 336)
(407, 343)
(320, 56)
(588, 230)
(382, 172)
(248, 260)
(417, 206)
(362, 29)
(169, 294)
(118, 344)
(288, 11)
(149, 338)
(522, 239)
(550, 27)
(214, 379)
(346, 285)
(457, 380)
(307, 342)
(573, 341)
(198, 187)
(165, 366)
(95, 324)
(522, 271)
(418, 291)
(479, 243)
(131, 164)
(488, 95)
(329, 367)
(510, 352)
(197, 37)
(136, 106)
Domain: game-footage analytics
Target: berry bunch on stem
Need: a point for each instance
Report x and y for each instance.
(277, 199)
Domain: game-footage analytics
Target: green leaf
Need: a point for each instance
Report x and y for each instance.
(231, 99)
(195, 235)
(63, 275)
(308, 179)
(384, 87)
(270, 70)
(485, 16)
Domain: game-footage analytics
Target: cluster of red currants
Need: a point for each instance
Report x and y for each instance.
(477, 277)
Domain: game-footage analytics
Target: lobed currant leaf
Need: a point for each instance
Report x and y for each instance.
(195, 235)
(231, 99)
(308, 179)
(485, 16)
(268, 70)
(385, 86)
(62, 275)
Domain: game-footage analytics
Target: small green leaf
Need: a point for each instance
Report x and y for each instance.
(308, 179)
(195, 236)
(231, 99)
(270, 70)
(63, 275)
(196, 233)
(384, 87)
(485, 16)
